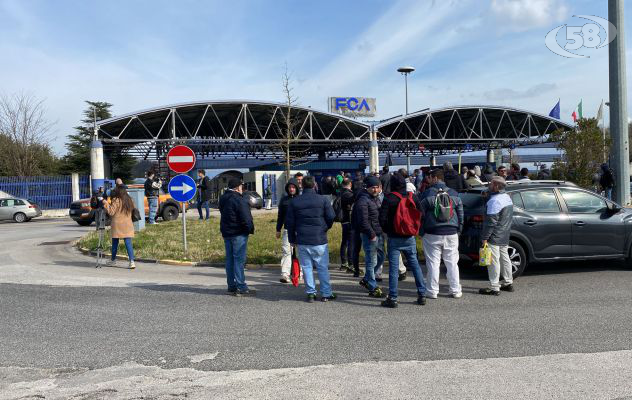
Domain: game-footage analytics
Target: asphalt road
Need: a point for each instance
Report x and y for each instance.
(62, 320)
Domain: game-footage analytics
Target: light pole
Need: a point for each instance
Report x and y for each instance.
(405, 70)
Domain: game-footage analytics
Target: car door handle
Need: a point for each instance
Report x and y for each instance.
(580, 223)
(530, 222)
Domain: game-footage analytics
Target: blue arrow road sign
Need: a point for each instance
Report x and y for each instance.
(182, 188)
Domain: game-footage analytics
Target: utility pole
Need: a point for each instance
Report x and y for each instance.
(618, 103)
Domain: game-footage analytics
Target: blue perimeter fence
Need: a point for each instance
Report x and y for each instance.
(49, 192)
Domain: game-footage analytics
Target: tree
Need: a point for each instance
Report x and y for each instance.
(78, 157)
(24, 136)
(290, 122)
(582, 152)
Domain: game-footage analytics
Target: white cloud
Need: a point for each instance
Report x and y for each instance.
(522, 15)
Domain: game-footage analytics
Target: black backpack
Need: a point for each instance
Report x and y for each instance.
(337, 206)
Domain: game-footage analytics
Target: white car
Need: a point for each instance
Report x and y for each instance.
(19, 210)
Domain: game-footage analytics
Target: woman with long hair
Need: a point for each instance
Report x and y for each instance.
(120, 210)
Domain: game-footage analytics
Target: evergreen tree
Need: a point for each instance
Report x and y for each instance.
(78, 157)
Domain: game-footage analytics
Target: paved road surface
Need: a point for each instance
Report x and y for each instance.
(159, 331)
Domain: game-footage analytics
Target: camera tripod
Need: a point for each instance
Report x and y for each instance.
(99, 219)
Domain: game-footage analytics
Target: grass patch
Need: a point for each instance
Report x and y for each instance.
(164, 241)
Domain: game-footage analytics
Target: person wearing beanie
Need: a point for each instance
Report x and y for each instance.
(235, 225)
(366, 221)
(291, 190)
(399, 243)
(347, 244)
(309, 217)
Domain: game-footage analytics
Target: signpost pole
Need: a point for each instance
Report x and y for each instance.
(184, 228)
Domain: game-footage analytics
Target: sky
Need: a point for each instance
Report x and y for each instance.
(142, 54)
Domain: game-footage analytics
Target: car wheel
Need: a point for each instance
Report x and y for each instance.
(19, 217)
(84, 223)
(170, 213)
(518, 258)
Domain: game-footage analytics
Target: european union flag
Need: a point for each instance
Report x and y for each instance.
(555, 112)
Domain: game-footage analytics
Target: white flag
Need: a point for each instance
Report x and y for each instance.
(600, 112)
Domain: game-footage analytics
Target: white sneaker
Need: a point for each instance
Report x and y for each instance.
(457, 295)
(111, 263)
(131, 265)
(431, 296)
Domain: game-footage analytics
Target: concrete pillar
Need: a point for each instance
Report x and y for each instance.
(433, 161)
(97, 170)
(618, 103)
(138, 197)
(408, 163)
(374, 159)
(490, 156)
(74, 178)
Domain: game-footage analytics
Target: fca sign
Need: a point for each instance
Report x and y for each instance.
(352, 104)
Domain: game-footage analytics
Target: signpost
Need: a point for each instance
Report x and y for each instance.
(181, 159)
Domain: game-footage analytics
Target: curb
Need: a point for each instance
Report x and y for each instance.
(89, 252)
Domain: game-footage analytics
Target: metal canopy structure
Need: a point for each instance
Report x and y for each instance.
(233, 128)
(465, 128)
(254, 129)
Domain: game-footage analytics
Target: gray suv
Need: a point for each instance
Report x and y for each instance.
(553, 221)
(19, 210)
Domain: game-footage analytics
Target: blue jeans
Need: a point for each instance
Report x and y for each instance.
(153, 209)
(609, 193)
(128, 246)
(315, 256)
(236, 247)
(204, 204)
(373, 258)
(408, 248)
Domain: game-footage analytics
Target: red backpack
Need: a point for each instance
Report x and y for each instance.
(407, 217)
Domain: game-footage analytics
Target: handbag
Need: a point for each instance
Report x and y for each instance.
(295, 273)
(485, 256)
(135, 215)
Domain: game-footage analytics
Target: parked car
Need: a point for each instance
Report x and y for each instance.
(19, 210)
(168, 208)
(553, 221)
(254, 199)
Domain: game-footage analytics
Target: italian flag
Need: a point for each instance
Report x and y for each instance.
(578, 113)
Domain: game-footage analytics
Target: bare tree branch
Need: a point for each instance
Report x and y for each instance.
(290, 101)
(23, 121)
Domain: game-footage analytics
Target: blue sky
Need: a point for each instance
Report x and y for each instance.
(140, 54)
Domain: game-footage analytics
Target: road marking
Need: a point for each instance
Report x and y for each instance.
(181, 159)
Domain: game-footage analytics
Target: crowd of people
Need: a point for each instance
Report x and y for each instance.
(381, 215)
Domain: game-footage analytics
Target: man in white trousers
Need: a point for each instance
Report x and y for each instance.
(442, 211)
(291, 190)
(495, 234)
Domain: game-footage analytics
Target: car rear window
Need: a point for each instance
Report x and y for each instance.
(472, 200)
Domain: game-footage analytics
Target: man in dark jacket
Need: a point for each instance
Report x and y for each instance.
(152, 191)
(366, 220)
(309, 217)
(358, 183)
(495, 234)
(235, 224)
(347, 244)
(441, 228)
(453, 179)
(544, 173)
(385, 180)
(203, 193)
(606, 181)
(291, 190)
(398, 243)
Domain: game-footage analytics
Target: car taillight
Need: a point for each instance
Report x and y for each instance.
(32, 206)
(477, 218)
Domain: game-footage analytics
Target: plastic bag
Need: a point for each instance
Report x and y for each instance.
(485, 256)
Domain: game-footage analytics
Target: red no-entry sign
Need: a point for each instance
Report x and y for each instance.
(181, 159)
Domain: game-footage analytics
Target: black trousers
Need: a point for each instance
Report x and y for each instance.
(346, 246)
(356, 244)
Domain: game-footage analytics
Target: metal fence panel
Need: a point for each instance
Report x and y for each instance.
(49, 192)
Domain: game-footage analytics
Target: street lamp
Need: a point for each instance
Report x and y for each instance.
(405, 71)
